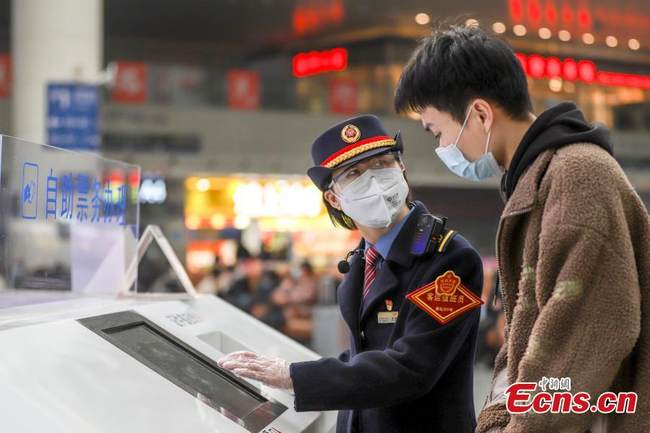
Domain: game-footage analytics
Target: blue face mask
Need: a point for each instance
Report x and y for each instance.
(484, 167)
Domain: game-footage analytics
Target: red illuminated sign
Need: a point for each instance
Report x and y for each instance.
(625, 80)
(621, 19)
(547, 12)
(130, 82)
(516, 10)
(310, 18)
(536, 66)
(5, 75)
(243, 88)
(534, 12)
(316, 62)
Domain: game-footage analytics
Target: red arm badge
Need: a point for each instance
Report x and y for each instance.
(445, 298)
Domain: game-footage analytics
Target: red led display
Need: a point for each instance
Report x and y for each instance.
(516, 10)
(570, 69)
(316, 62)
(584, 18)
(587, 70)
(310, 18)
(552, 13)
(553, 67)
(534, 12)
(567, 15)
(537, 66)
(625, 80)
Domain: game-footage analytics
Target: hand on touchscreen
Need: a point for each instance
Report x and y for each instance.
(270, 371)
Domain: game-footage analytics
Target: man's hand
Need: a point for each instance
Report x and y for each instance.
(270, 371)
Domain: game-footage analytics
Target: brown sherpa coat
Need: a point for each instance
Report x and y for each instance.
(574, 260)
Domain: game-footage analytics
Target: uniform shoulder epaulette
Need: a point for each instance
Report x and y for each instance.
(444, 239)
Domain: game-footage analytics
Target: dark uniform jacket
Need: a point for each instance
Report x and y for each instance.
(411, 376)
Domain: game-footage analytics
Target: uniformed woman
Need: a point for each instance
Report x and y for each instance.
(410, 296)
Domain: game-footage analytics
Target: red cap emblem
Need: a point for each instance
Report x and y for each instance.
(350, 134)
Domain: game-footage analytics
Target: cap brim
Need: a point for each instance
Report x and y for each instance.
(321, 176)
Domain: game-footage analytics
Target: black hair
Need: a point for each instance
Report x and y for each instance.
(338, 217)
(457, 64)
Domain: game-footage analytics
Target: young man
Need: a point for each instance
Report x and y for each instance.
(573, 244)
(412, 311)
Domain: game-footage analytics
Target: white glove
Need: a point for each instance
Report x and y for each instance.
(270, 371)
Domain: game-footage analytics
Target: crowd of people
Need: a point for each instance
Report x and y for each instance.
(276, 293)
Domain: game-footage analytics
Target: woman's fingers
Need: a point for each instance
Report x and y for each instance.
(257, 365)
(251, 364)
(240, 356)
(268, 370)
(245, 372)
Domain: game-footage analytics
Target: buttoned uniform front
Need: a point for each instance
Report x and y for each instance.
(414, 375)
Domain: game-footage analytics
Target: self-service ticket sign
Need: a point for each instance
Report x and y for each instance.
(69, 221)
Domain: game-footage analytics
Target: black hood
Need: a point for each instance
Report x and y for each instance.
(558, 126)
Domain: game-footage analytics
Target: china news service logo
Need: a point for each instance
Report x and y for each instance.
(555, 396)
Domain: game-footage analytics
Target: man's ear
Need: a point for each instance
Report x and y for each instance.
(485, 113)
(332, 199)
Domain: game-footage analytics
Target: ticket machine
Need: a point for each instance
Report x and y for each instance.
(132, 366)
(106, 358)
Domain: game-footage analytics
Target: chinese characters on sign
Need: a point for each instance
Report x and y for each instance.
(73, 116)
(73, 196)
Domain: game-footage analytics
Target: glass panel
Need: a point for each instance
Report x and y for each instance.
(68, 220)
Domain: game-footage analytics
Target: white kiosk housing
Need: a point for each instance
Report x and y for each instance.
(107, 360)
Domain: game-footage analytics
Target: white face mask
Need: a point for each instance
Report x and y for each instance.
(484, 167)
(376, 197)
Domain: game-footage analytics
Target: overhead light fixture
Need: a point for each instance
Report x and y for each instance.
(519, 30)
(499, 27)
(422, 19)
(555, 84)
(588, 38)
(544, 33)
(564, 35)
(611, 41)
(633, 44)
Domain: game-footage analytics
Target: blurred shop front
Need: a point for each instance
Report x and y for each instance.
(275, 218)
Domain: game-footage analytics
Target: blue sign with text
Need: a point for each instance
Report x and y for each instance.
(73, 116)
(73, 196)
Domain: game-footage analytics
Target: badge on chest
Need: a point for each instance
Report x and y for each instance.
(389, 316)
